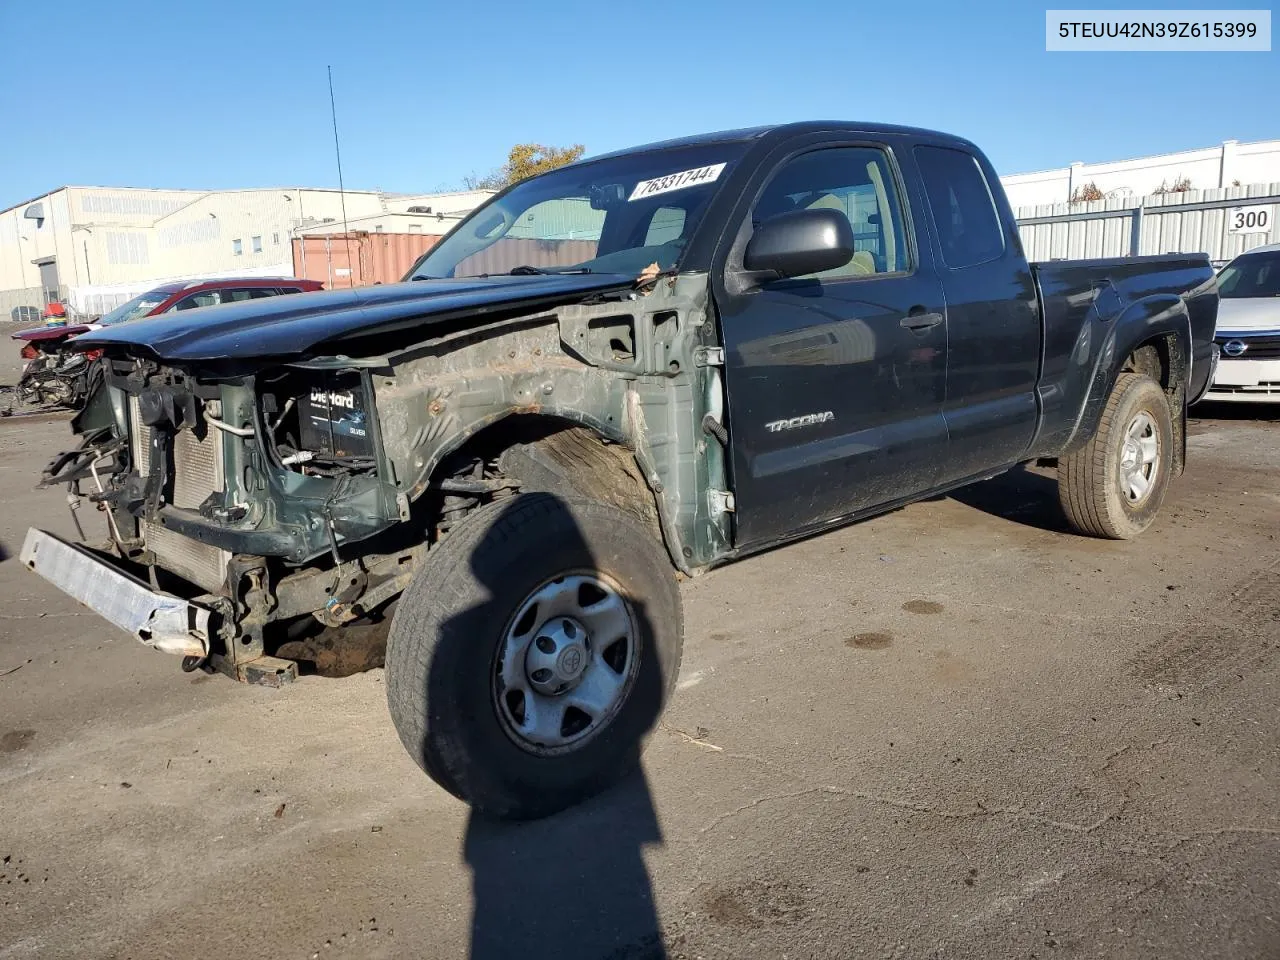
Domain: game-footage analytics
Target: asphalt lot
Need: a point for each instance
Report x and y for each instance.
(955, 731)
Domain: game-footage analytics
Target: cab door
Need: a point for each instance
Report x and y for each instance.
(835, 381)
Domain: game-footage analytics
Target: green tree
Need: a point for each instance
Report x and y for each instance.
(524, 160)
(530, 159)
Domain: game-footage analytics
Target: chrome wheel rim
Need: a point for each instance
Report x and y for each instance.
(565, 664)
(1139, 458)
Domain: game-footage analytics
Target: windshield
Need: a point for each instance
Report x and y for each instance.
(618, 215)
(1251, 275)
(139, 306)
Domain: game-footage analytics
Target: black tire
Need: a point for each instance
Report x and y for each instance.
(1090, 481)
(443, 647)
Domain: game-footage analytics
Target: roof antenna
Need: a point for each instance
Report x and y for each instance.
(342, 197)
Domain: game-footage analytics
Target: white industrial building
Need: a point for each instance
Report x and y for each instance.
(1229, 164)
(95, 247)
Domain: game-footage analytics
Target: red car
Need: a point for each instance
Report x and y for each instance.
(179, 296)
(51, 377)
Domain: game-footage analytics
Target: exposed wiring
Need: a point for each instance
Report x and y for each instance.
(302, 456)
(288, 405)
(237, 431)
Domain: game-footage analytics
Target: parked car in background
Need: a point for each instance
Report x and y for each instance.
(53, 375)
(1249, 328)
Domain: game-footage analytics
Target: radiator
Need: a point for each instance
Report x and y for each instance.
(197, 473)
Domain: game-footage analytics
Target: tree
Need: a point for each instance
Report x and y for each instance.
(493, 180)
(524, 160)
(530, 159)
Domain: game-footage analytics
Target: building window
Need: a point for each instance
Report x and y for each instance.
(275, 238)
(237, 247)
(257, 244)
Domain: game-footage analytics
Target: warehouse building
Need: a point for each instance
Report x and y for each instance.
(1229, 164)
(95, 247)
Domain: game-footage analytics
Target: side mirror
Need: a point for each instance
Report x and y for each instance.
(799, 242)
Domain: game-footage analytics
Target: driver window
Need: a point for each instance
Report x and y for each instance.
(856, 181)
(554, 233)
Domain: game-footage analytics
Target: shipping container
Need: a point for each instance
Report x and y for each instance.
(358, 258)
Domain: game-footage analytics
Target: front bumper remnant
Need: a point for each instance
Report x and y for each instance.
(159, 620)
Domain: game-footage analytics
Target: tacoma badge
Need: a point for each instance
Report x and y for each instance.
(807, 420)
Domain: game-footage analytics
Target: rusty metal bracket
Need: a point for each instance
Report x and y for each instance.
(264, 671)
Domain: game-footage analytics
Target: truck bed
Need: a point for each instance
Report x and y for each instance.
(1080, 302)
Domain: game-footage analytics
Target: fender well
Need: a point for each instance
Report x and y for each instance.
(567, 453)
(1151, 336)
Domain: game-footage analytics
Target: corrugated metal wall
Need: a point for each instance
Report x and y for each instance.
(1168, 226)
(511, 252)
(358, 259)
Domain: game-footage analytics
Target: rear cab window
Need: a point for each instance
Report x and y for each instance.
(963, 209)
(859, 183)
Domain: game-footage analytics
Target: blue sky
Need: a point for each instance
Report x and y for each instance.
(174, 94)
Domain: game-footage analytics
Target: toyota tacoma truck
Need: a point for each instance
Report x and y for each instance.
(616, 374)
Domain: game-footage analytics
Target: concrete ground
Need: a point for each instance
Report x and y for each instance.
(955, 731)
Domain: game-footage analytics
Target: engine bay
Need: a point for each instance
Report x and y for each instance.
(318, 422)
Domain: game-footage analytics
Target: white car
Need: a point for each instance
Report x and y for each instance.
(1249, 328)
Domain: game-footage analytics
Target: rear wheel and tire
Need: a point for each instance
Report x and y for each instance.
(533, 652)
(1114, 485)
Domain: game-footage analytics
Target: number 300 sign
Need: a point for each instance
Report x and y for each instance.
(1250, 219)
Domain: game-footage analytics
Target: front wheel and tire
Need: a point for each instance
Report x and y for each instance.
(533, 652)
(1114, 485)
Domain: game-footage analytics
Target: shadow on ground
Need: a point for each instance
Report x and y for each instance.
(544, 574)
(571, 886)
(1211, 410)
(1021, 495)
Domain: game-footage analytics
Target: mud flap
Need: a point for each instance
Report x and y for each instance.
(1180, 434)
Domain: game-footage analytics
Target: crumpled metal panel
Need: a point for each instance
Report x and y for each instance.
(626, 369)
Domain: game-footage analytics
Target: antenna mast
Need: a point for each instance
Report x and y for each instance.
(342, 197)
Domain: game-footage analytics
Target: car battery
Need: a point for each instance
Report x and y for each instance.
(332, 419)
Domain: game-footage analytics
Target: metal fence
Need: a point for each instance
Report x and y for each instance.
(1196, 221)
(25, 304)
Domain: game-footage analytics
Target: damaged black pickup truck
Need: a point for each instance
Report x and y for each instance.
(633, 368)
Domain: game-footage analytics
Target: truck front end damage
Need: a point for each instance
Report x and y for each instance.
(210, 500)
(246, 500)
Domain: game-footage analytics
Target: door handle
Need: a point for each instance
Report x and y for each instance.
(917, 319)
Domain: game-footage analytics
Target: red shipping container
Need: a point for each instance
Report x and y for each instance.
(358, 258)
